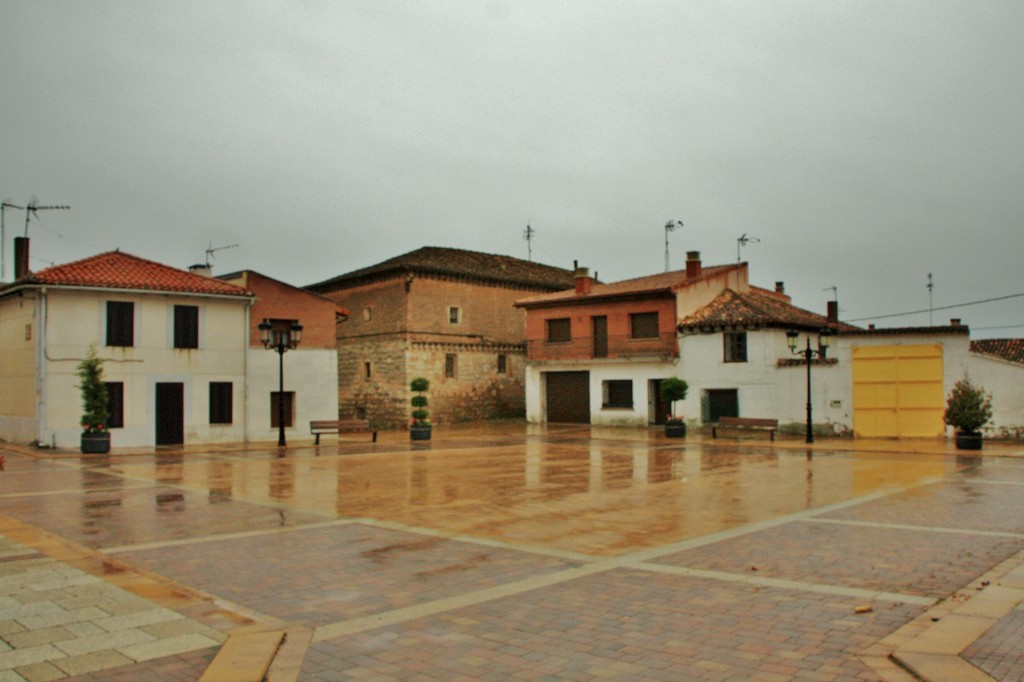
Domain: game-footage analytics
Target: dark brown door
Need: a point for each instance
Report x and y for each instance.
(723, 402)
(568, 397)
(170, 414)
(600, 336)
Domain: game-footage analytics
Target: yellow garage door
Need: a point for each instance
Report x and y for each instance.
(897, 391)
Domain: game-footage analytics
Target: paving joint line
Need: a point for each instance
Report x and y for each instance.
(930, 529)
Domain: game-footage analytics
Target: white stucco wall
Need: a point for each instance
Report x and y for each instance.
(76, 319)
(1005, 381)
(311, 373)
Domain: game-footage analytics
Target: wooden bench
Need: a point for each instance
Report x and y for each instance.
(741, 423)
(341, 426)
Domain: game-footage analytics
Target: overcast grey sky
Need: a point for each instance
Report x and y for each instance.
(864, 143)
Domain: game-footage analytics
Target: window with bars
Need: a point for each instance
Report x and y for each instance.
(451, 366)
(735, 346)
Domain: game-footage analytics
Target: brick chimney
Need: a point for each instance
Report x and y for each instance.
(693, 268)
(780, 287)
(833, 312)
(955, 322)
(583, 281)
(20, 257)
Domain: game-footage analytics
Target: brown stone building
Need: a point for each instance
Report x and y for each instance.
(444, 314)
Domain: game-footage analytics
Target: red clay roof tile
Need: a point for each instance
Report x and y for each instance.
(756, 308)
(117, 270)
(1007, 349)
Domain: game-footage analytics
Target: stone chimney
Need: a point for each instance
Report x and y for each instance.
(202, 269)
(833, 312)
(20, 257)
(780, 287)
(693, 268)
(583, 281)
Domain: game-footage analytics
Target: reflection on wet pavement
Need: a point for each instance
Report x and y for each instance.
(563, 490)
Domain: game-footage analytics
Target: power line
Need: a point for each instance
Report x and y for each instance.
(1002, 326)
(928, 310)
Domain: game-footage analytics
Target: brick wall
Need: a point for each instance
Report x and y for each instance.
(280, 301)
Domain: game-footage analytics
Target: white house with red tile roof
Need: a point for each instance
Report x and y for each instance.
(597, 355)
(174, 345)
(997, 365)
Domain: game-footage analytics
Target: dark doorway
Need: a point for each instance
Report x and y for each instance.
(568, 397)
(658, 409)
(723, 402)
(170, 414)
(600, 324)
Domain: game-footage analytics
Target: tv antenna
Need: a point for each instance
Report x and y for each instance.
(528, 236)
(32, 208)
(211, 250)
(835, 292)
(930, 286)
(669, 227)
(3, 236)
(743, 241)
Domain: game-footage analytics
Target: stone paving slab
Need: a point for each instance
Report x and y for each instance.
(877, 558)
(56, 621)
(622, 624)
(326, 574)
(998, 651)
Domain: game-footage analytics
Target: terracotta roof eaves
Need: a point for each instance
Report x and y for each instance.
(32, 284)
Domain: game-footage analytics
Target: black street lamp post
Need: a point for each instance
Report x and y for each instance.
(281, 340)
(823, 337)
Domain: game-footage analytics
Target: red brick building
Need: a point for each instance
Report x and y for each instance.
(444, 314)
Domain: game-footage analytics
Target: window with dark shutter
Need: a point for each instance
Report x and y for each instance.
(559, 330)
(617, 393)
(221, 402)
(186, 326)
(289, 409)
(643, 325)
(120, 323)
(115, 404)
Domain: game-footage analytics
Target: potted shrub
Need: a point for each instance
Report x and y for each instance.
(95, 413)
(968, 408)
(419, 428)
(672, 390)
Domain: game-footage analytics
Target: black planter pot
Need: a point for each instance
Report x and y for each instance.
(675, 430)
(95, 443)
(968, 440)
(419, 432)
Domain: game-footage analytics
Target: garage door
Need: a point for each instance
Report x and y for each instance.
(897, 391)
(568, 397)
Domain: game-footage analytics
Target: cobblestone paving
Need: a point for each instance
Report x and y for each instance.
(626, 625)
(959, 503)
(998, 652)
(322, 575)
(508, 553)
(877, 558)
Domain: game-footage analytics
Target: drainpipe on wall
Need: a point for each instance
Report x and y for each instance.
(41, 313)
(245, 372)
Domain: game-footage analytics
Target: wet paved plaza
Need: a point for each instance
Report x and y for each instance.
(506, 552)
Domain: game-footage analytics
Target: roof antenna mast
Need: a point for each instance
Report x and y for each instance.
(528, 236)
(211, 250)
(930, 286)
(743, 241)
(31, 209)
(669, 227)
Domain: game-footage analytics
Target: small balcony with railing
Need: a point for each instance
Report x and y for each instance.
(624, 347)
